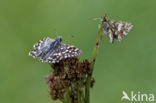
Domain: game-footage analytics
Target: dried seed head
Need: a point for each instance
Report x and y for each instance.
(66, 73)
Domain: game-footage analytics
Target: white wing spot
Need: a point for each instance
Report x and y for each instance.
(119, 26)
(125, 33)
(119, 38)
(76, 49)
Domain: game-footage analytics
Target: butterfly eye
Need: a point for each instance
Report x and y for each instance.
(60, 39)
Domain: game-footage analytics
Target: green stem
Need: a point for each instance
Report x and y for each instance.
(79, 95)
(83, 98)
(93, 59)
(67, 96)
(62, 100)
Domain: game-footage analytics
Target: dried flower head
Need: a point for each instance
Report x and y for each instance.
(69, 74)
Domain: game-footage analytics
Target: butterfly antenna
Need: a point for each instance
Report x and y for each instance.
(56, 32)
(95, 19)
(71, 35)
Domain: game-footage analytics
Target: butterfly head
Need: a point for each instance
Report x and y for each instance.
(104, 18)
(59, 38)
(105, 22)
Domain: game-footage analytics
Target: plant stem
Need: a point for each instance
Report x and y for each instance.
(62, 100)
(79, 95)
(93, 59)
(67, 97)
(83, 98)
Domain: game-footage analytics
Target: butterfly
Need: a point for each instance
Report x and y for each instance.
(116, 29)
(53, 50)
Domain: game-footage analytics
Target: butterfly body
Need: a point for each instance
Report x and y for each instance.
(51, 47)
(50, 50)
(116, 29)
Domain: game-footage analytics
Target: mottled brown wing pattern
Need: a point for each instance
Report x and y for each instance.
(121, 29)
(116, 29)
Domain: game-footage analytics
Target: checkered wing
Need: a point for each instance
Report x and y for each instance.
(41, 47)
(64, 51)
(121, 29)
(116, 29)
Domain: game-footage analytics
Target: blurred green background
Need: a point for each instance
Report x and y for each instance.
(128, 65)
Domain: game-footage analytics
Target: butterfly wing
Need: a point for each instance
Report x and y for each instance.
(116, 29)
(64, 51)
(108, 29)
(121, 29)
(41, 47)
